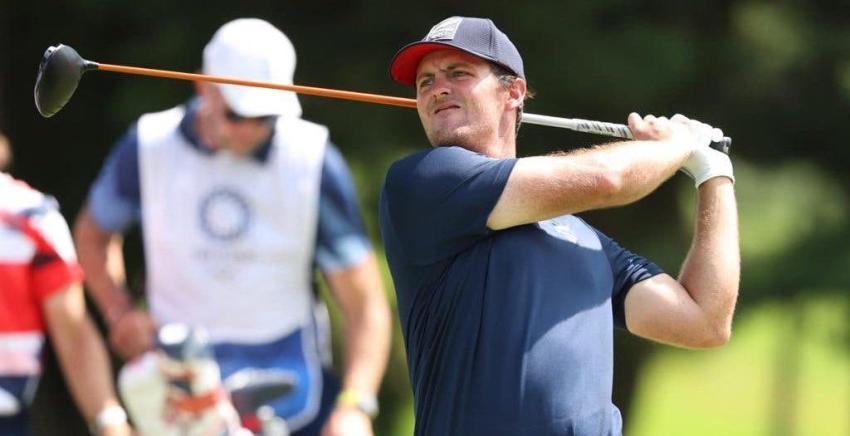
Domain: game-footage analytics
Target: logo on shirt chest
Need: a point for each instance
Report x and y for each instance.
(224, 214)
(558, 229)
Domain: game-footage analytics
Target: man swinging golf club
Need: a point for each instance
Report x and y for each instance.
(508, 301)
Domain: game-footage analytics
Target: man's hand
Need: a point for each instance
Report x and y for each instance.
(347, 421)
(678, 130)
(132, 334)
(706, 163)
(116, 430)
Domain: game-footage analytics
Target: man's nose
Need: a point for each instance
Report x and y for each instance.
(440, 88)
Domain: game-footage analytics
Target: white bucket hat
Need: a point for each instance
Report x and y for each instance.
(253, 49)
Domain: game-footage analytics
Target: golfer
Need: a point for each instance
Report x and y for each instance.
(507, 300)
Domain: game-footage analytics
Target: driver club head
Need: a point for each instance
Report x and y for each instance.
(59, 73)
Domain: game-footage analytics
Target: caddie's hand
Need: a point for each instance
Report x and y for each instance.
(116, 430)
(132, 334)
(347, 421)
(705, 163)
(110, 421)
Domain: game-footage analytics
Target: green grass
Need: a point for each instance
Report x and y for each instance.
(742, 388)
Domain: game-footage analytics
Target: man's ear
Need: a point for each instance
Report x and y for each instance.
(516, 93)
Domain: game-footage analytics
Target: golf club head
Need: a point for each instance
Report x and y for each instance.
(59, 73)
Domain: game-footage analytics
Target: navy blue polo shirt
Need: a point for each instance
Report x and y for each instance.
(508, 332)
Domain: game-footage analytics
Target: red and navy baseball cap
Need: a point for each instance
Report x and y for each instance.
(476, 36)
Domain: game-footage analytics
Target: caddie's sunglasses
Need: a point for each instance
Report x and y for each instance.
(233, 117)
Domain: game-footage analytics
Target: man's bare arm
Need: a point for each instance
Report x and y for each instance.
(81, 354)
(100, 254)
(544, 187)
(360, 294)
(695, 311)
(101, 257)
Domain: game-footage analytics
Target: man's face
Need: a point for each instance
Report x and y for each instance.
(459, 99)
(226, 129)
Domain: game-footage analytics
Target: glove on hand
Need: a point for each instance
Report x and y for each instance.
(706, 162)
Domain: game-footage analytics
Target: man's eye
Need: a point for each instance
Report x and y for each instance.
(459, 73)
(424, 82)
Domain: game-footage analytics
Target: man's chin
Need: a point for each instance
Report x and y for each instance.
(242, 150)
(448, 143)
(449, 138)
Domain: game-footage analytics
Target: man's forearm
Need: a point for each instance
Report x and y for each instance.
(359, 292)
(366, 349)
(711, 272)
(81, 352)
(100, 255)
(610, 175)
(86, 366)
(637, 167)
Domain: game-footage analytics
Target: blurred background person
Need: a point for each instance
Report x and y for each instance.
(5, 153)
(41, 294)
(239, 199)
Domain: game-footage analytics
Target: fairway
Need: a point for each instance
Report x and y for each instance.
(737, 391)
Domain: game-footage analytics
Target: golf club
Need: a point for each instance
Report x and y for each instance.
(61, 69)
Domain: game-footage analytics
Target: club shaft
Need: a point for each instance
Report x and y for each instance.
(576, 124)
(309, 90)
(618, 130)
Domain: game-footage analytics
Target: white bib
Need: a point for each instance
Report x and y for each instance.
(230, 240)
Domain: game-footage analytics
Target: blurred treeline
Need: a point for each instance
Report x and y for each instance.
(775, 75)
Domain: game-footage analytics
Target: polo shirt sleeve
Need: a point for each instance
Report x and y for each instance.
(114, 199)
(341, 240)
(628, 269)
(54, 263)
(439, 200)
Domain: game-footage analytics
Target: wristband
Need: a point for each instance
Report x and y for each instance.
(367, 404)
(107, 417)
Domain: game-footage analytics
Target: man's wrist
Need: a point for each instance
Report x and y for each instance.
(114, 314)
(366, 403)
(113, 309)
(708, 164)
(109, 416)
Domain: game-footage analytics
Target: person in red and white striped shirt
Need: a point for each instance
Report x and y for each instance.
(41, 293)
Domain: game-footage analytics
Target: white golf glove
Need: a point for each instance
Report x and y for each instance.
(706, 162)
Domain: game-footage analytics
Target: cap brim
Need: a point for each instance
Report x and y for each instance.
(259, 102)
(406, 61)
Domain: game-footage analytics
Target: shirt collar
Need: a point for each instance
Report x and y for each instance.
(187, 129)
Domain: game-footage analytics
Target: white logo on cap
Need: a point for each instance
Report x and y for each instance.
(445, 29)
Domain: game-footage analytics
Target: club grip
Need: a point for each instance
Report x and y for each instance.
(603, 128)
(622, 131)
(724, 145)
